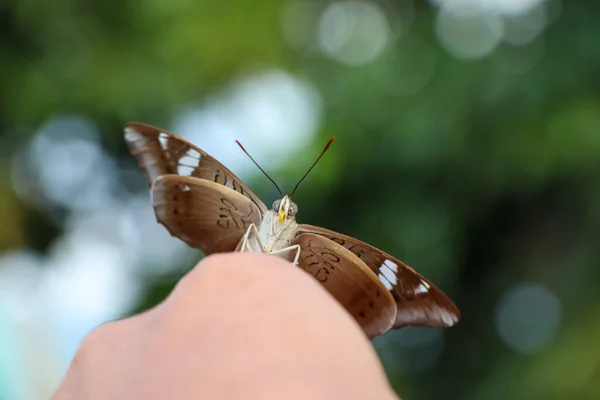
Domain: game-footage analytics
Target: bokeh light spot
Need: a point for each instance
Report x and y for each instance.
(522, 29)
(65, 165)
(528, 317)
(353, 33)
(505, 7)
(273, 114)
(469, 35)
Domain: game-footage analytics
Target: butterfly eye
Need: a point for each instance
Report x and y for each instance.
(293, 209)
(276, 205)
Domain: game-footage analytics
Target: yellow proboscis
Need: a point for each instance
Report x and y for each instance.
(281, 215)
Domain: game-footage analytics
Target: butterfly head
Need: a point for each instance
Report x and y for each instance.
(285, 208)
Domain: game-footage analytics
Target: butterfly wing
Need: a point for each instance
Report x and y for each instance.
(349, 280)
(418, 301)
(204, 214)
(160, 153)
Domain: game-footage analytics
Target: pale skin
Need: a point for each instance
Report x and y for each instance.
(238, 326)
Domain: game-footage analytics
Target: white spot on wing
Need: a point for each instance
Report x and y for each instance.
(184, 170)
(422, 288)
(193, 153)
(132, 135)
(385, 282)
(163, 138)
(190, 160)
(449, 319)
(389, 275)
(391, 265)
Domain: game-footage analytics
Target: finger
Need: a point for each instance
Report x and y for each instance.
(256, 286)
(253, 317)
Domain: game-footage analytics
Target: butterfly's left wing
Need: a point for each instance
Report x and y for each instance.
(160, 153)
(418, 301)
(204, 214)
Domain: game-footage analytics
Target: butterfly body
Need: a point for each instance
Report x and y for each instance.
(277, 230)
(203, 203)
(273, 236)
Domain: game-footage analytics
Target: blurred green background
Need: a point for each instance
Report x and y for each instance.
(467, 146)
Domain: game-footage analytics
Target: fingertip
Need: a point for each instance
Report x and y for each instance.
(231, 270)
(248, 279)
(244, 262)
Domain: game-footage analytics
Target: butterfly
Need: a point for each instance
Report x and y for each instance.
(198, 200)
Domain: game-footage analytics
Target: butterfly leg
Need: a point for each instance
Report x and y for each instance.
(251, 241)
(287, 252)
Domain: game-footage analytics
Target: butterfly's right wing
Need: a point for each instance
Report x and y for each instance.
(419, 302)
(160, 153)
(349, 281)
(204, 214)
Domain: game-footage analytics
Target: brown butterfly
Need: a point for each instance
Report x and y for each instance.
(204, 204)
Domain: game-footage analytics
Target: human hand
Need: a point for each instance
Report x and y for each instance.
(238, 326)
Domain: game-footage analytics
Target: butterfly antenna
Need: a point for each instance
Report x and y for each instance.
(261, 170)
(315, 163)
